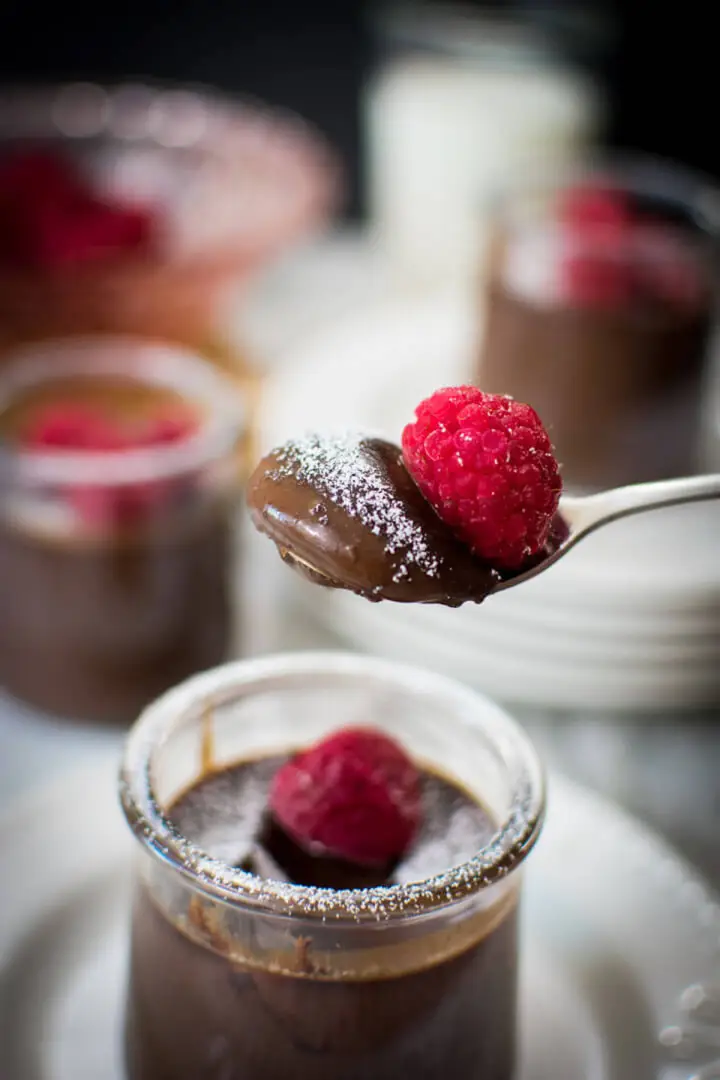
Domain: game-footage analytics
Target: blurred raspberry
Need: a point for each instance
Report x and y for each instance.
(39, 174)
(591, 208)
(76, 428)
(68, 426)
(597, 279)
(51, 218)
(599, 226)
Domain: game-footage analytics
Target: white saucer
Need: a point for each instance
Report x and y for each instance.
(616, 928)
(631, 619)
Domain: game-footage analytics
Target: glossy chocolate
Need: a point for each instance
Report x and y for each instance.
(345, 512)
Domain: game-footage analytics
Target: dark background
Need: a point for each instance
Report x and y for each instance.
(658, 70)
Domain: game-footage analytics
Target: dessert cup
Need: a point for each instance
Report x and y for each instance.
(604, 324)
(115, 566)
(241, 976)
(228, 184)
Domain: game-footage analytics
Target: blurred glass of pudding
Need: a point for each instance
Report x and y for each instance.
(135, 210)
(118, 478)
(599, 305)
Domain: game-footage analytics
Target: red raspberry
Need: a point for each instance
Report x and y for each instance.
(589, 208)
(68, 426)
(597, 280)
(355, 796)
(75, 427)
(50, 217)
(486, 465)
(38, 174)
(600, 225)
(52, 236)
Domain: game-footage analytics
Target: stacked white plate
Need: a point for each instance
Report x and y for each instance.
(629, 620)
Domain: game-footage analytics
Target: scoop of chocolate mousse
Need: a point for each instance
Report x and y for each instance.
(344, 511)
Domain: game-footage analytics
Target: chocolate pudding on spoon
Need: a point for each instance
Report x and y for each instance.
(469, 499)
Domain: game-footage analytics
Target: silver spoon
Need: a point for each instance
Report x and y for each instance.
(584, 514)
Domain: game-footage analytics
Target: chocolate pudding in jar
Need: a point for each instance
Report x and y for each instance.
(371, 935)
(599, 305)
(118, 484)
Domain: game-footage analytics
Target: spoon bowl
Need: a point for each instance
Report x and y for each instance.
(577, 517)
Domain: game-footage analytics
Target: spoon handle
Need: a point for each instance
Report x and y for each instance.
(587, 512)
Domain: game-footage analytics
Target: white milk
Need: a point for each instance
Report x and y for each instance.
(440, 131)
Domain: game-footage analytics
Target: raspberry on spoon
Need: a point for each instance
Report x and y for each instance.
(355, 796)
(486, 465)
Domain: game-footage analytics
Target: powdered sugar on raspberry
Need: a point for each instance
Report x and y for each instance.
(341, 470)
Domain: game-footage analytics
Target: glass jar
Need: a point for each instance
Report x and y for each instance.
(599, 298)
(115, 565)
(461, 95)
(142, 209)
(238, 976)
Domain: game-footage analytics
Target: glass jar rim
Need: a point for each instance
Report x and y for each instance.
(151, 363)
(624, 169)
(507, 848)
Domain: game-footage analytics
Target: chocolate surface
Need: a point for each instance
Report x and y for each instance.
(201, 1013)
(345, 512)
(226, 815)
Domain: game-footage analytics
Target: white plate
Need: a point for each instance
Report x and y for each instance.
(616, 928)
(630, 619)
(533, 677)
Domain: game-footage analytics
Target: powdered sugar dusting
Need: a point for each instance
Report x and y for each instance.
(224, 815)
(456, 852)
(342, 470)
(492, 863)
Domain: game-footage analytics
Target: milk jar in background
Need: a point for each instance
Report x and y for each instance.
(457, 100)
